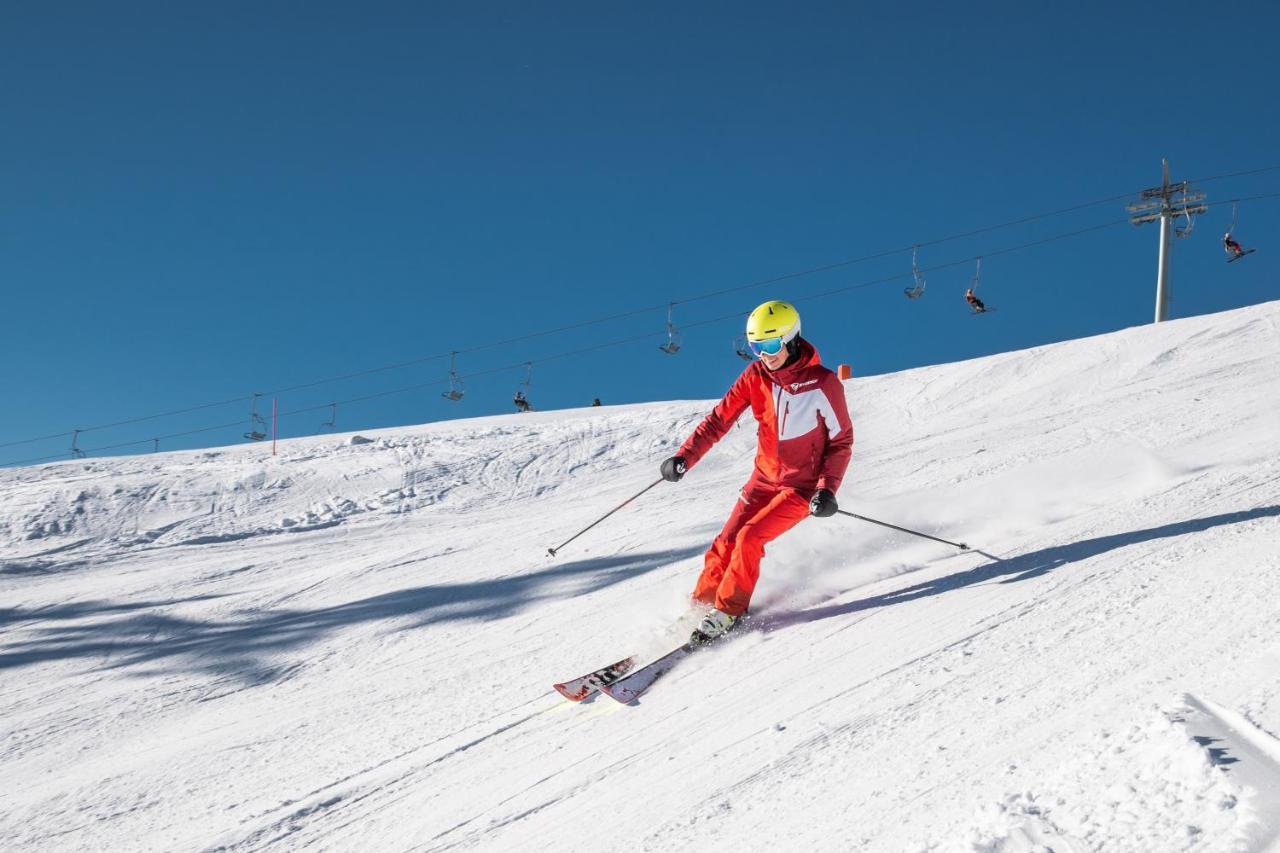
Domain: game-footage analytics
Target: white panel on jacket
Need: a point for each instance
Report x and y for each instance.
(798, 413)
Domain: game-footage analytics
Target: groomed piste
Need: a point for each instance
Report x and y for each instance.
(351, 645)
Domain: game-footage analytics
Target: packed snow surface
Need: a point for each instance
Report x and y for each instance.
(351, 645)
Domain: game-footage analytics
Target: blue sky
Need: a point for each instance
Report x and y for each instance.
(201, 202)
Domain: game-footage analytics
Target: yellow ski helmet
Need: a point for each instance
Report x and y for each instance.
(772, 326)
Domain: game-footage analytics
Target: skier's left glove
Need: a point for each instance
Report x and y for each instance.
(823, 504)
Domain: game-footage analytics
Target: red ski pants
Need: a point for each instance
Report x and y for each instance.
(732, 564)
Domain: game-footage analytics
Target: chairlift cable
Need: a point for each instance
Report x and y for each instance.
(942, 266)
(239, 399)
(608, 344)
(1234, 175)
(649, 309)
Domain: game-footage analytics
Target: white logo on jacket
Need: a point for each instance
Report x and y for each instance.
(798, 413)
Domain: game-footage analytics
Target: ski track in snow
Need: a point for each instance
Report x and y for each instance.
(351, 645)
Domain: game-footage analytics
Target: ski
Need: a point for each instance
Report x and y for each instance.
(577, 689)
(1241, 255)
(626, 690)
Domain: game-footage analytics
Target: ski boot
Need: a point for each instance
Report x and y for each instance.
(713, 626)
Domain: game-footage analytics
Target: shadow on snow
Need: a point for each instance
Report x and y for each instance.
(1020, 568)
(240, 647)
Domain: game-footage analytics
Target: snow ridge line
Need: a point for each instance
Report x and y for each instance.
(1239, 725)
(1243, 751)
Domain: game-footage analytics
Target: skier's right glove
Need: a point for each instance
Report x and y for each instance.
(673, 469)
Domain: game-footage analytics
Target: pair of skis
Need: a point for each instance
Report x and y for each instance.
(622, 681)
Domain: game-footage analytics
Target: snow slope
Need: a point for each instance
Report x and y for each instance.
(351, 645)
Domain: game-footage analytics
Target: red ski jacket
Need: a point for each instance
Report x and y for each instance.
(804, 436)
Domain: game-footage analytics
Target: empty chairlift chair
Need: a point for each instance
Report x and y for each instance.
(455, 382)
(917, 289)
(257, 424)
(672, 346)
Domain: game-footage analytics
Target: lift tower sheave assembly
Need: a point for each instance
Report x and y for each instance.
(1160, 203)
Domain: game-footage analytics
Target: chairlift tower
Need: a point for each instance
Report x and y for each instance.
(1160, 203)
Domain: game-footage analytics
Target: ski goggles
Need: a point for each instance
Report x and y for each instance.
(769, 346)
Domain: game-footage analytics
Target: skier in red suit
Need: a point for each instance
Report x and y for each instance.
(804, 441)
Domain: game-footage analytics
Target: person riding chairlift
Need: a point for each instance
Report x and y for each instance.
(974, 302)
(1233, 248)
(521, 401)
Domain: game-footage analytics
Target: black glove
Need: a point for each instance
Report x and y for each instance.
(823, 504)
(673, 469)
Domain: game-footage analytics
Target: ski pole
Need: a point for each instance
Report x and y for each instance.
(552, 551)
(960, 545)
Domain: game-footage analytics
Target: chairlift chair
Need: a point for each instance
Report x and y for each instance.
(1231, 229)
(672, 346)
(740, 347)
(455, 382)
(1227, 239)
(973, 288)
(1191, 205)
(332, 423)
(1185, 229)
(257, 424)
(521, 398)
(917, 289)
